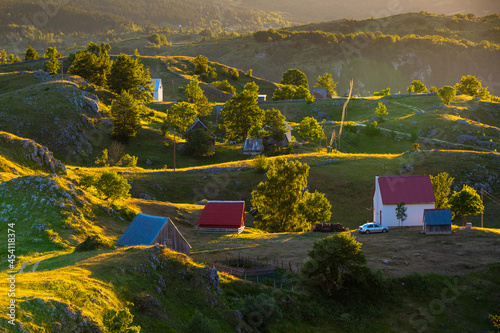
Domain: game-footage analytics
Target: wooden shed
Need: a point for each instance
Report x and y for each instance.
(253, 147)
(223, 217)
(149, 230)
(437, 221)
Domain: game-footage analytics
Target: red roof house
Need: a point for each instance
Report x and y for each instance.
(222, 216)
(415, 191)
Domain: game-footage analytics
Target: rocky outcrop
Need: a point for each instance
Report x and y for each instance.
(34, 152)
(55, 316)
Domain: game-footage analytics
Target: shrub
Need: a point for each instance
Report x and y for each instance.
(261, 163)
(332, 262)
(199, 143)
(91, 243)
(350, 126)
(235, 74)
(372, 129)
(249, 73)
(201, 324)
(109, 186)
(260, 311)
(118, 321)
(224, 86)
(127, 161)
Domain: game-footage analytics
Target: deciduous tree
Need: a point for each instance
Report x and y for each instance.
(466, 202)
(401, 212)
(310, 129)
(274, 124)
(447, 94)
(441, 185)
(242, 113)
(199, 143)
(110, 185)
(332, 261)
(181, 116)
(469, 85)
(295, 77)
(417, 86)
(282, 199)
(195, 94)
(201, 66)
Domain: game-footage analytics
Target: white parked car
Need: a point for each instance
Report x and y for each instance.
(372, 227)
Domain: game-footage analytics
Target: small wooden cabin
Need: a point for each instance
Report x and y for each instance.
(253, 147)
(437, 221)
(150, 230)
(223, 217)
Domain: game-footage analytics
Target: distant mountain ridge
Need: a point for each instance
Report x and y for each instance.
(93, 16)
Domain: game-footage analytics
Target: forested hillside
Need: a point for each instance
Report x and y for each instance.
(90, 16)
(381, 53)
(324, 10)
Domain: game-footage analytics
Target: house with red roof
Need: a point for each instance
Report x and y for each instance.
(415, 191)
(222, 216)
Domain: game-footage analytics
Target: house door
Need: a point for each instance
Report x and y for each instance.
(380, 218)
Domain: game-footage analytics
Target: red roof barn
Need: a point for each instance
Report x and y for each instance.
(415, 191)
(222, 216)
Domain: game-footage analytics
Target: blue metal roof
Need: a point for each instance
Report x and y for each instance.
(437, 217)
(157, 83)
(142, 231)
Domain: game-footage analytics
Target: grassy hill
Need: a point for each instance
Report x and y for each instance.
(60, 289)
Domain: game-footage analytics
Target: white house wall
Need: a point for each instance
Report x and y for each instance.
(158, 94)
(415, 213)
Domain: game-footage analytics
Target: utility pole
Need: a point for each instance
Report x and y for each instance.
(174, 149)
(482, 191)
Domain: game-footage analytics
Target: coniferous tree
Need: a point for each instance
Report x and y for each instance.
(52, 65)
(128, 74)
(93, 64)
(125, 113)
(52, 52)
(3, 57)
(326, 81)
(30, 54)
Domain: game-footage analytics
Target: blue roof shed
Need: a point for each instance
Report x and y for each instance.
(149, 230)
(437, 221)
